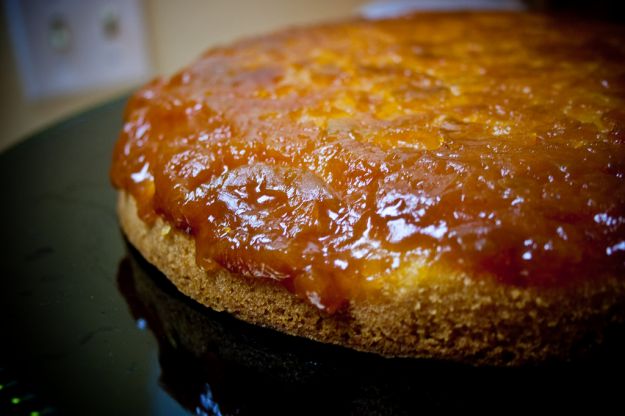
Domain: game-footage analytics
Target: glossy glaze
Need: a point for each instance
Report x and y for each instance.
(331, 158)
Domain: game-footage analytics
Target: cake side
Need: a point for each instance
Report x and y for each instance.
(444, 317)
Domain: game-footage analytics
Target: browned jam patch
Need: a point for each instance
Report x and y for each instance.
(331, 158)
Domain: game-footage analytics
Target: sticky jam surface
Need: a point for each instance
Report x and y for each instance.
(332, 158)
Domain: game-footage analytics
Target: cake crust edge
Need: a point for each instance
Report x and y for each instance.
(448, 317)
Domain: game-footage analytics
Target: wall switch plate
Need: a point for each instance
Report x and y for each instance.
(69, 46)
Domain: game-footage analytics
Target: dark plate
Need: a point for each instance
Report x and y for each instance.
(69, 341)
(89, 328)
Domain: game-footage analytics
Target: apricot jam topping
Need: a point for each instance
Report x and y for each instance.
(332, 158)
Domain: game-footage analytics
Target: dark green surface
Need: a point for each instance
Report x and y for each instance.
(67, 332)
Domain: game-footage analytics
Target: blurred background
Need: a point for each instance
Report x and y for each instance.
(60, 57)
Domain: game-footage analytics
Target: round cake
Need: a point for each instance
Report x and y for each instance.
(440, 185)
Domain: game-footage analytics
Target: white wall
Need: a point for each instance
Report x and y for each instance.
(178, 31)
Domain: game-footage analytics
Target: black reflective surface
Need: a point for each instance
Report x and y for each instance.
(69, 344)
(87, 327)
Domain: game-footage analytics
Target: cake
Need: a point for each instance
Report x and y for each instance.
(440, 185)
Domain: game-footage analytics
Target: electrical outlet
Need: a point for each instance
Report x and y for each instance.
(69, 46)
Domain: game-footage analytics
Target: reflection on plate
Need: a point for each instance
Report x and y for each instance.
(213, 364)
